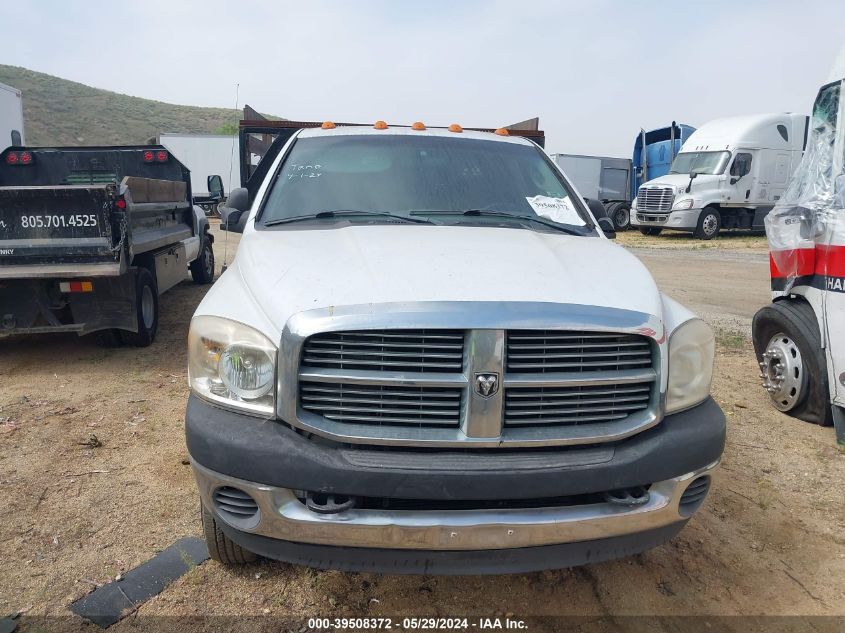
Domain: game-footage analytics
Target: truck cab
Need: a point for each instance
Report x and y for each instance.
(412, 366)
(728, 175)
(799, 339)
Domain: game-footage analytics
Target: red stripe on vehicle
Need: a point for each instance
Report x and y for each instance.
(821, 260)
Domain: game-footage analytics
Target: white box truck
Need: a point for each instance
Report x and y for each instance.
(799, 338)
(11, 117)
(212, 160)
(728, 175)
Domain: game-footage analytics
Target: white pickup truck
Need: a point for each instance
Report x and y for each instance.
(413, 365)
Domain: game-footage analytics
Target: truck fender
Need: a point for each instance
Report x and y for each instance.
(200, 223)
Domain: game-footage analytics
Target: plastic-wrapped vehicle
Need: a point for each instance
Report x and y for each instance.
(800, 338)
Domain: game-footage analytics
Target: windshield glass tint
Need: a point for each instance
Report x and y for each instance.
(404, 174)
(700, 162)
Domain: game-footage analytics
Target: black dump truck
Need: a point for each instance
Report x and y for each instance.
(91, 236)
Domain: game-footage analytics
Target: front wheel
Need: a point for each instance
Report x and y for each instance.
(202, 268)
(146, 310)
(220, 547)
(792, 366)
(709, 224)
(651, 231)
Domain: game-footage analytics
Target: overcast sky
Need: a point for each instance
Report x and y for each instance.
(595, 71)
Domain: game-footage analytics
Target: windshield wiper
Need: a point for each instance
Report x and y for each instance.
(343, 213)
(503, 214)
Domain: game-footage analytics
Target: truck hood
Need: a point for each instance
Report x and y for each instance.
(288, 271)
(702, 181)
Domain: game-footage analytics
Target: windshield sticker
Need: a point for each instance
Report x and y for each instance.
(298, 172)
(555, 209)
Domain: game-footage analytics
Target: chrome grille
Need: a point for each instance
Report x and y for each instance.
(563, 406)
(385, 405)
(386, 350)
(543, 351)
(422, 387)
(654, 198)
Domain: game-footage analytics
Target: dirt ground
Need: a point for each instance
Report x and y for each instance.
(94, 480)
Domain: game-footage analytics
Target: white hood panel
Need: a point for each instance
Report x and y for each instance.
(289, 271)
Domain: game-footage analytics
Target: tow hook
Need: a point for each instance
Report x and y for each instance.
(628, 496)
(328, 503)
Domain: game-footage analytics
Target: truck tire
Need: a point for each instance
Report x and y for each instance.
(202, 268)
(620, 214)
(146, 307)
(709, 224)
(650, 230)
(220, 547)
(793, 367)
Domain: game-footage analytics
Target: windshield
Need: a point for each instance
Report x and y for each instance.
(413, 176)
(700, 162)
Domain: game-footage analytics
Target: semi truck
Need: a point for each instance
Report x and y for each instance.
(728, 175)
(615, 181)
(799, 339)
(412, 366)
(11, 117)
(212, 160)
(90, 237)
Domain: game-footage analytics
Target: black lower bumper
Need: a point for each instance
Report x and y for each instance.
(454, 563)
(273, 454)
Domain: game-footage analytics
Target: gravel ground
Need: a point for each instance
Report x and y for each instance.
(94, 478)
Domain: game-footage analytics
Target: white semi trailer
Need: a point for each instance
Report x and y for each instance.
(728, 175)
(800, 337)
(213, 160)
(11, 117)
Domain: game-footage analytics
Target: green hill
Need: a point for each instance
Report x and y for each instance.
(62, 112)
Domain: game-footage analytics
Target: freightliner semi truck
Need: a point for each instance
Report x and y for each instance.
(728, 175)
(412, 365)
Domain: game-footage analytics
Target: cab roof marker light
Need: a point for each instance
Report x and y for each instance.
(419, 125)
(328, 125)
(455, 128)
(380, 125)
(502, 132)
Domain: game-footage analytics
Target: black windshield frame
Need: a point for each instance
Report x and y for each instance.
(588, 228)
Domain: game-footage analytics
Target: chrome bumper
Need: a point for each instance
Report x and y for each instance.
(283, 516)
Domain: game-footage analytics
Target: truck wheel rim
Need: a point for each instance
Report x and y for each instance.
(147, 307)
(710, 224)
(782, 371)
(622, 218)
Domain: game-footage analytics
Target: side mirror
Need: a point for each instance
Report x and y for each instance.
(234, 214)
(215, 187)
(606, 225)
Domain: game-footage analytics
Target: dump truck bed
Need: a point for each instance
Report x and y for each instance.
(52, 223)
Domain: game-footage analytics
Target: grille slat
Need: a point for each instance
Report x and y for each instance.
(387, 405)
(379, 350)
(533, 406)
(552, 351)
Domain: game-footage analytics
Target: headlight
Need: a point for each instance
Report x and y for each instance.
(691, 351)
(232, 364)
(684, 203)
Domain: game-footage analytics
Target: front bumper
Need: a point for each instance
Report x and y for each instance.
(270, 462)
(680, 220)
